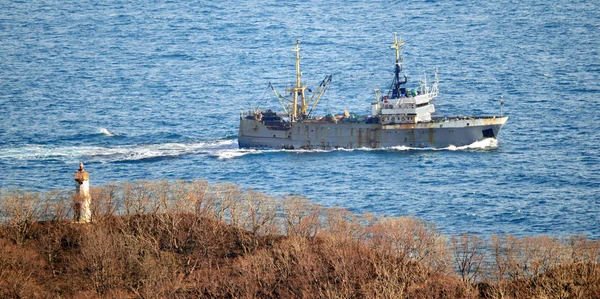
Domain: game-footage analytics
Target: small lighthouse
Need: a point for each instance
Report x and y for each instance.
(82, 199)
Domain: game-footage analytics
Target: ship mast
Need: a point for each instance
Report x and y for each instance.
(396, 85)
(299, 89)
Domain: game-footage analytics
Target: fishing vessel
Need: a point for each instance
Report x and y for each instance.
(400, 117)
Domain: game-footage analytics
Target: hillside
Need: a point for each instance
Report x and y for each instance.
(160, 239)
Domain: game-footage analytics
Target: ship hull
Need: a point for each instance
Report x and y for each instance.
(311, 134)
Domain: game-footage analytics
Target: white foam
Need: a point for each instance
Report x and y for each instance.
(402, 148)
(117, 153)
(221, 149)
(235, 153)
(105, 132)
(484, 144)
(29, 152)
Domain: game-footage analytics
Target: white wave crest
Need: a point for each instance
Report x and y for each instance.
(105, 132)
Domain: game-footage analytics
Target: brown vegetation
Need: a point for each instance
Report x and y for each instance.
(165, 239)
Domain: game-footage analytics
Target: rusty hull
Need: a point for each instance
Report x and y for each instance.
(439, 133)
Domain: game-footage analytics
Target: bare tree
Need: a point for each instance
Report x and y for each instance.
(19, 210)
(104, 203)
(301, 217)
(137, 198)
(260, 211)
(101, 259)
(469, 256)
(411, 240)
(198, 193)
(224, 196)
(55, 206)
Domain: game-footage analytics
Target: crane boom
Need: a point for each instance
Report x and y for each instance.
(279, 97)
(319, 92)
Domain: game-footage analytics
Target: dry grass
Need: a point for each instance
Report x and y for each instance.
(161, 239)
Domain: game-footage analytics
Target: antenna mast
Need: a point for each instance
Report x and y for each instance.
(395, 89)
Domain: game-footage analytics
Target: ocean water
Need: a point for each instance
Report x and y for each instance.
(153, 90)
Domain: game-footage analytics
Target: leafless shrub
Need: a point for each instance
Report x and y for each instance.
(256, 275)
(55, 240)
(101, 260)
(593, 251)
(182, 198)
(225, 195)
(210, 206)
(104, 202)
(410, 239)
(258, 213)
(169, 221)
(19, 210)
(581, 249)
(544, 253)
(342, 224)
(113, 261)
(468, 251)
(138, 198)
(150, 273)
(346, 262)
(198, 194)
(20, 272)
(301, 217)
(504, 252)
(520, 258)
(234, 203)
(251, 214)
(162, 194)
(55, 206)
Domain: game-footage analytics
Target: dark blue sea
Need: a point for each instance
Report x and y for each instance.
(153, 90)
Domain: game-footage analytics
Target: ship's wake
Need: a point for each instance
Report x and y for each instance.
(486, 144)
(221, 149)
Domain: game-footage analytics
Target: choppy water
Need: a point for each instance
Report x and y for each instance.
(148, 90)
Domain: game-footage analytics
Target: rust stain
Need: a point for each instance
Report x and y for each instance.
(359, 137)
(411, 135)
(81, 176)
(432, 137)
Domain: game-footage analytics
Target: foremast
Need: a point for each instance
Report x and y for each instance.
(299, 103)
(298, 90)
